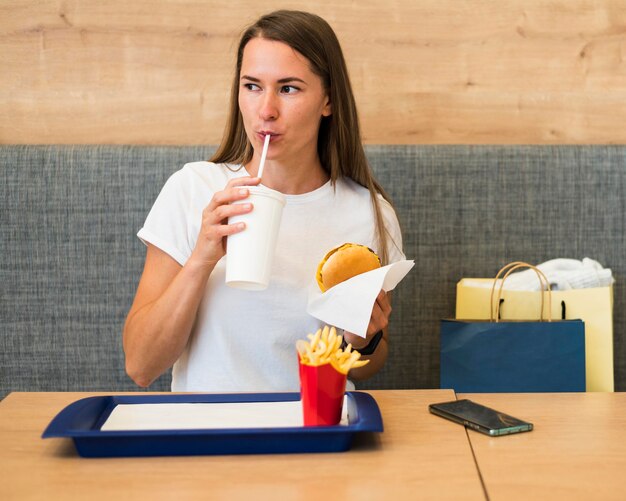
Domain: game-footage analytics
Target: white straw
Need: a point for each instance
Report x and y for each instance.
(263, 155)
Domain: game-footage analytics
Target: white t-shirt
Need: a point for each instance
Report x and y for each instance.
(245, 340)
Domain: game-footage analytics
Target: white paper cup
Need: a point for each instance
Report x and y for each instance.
(249, 253)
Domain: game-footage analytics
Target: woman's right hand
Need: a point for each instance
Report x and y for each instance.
(161, 318)
(211, 244)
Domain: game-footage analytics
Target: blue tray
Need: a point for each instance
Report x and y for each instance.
(81, 421)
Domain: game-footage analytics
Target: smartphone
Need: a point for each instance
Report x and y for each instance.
(480, 418)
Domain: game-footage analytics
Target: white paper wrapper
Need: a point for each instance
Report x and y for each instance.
(223, 415)
(349, 305)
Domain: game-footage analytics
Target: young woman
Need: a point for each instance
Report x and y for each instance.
(292, 83)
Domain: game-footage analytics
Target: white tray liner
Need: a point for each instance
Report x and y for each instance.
(219, 415)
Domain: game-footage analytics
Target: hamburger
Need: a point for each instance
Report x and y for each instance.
(343, 263)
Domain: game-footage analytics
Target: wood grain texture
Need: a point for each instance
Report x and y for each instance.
(424, 71)
(418, 454)
(577, 449)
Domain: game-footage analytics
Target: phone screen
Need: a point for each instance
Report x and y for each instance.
(480, 418)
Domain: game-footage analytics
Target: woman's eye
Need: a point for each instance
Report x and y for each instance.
(289, 89)
(251, 86)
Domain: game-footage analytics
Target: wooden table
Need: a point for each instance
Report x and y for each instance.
(418, 456)
(577, 449)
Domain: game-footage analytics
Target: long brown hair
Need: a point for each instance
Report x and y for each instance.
(339, 143)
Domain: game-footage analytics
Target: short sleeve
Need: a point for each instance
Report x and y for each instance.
(394, 233)
(167, 224)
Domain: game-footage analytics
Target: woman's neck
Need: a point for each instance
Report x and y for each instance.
(291, 177)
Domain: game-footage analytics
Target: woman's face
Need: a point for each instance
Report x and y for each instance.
(280, 95)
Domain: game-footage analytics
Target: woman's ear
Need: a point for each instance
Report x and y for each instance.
(327, 110)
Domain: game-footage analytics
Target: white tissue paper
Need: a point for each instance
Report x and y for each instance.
(349, 305)
(563, 274)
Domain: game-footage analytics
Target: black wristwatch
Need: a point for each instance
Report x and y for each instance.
(371, 346)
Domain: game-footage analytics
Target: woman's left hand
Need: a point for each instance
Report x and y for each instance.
(378, 321)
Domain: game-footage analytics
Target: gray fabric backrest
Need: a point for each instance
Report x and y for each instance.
(468, 210)
(70, 260)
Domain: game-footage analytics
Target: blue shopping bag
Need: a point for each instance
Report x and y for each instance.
(512, 356)
(494, 356)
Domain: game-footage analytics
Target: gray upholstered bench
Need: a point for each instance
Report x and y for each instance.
(70, 260)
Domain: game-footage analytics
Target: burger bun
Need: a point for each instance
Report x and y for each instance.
(345, 262)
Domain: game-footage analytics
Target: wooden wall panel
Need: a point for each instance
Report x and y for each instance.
(424, 71)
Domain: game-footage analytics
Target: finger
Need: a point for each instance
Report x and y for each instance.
(223, 230)
(235, 189)
(221, 214)
(383, 301)
(228, 196)
(382, 298)
(243, 181)
(216, 232)
(378, 321)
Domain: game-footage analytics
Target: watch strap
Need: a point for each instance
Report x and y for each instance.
(370, 348)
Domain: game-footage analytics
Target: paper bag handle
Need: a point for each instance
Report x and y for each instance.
(493, 287)
(542, 280)
(509, 268)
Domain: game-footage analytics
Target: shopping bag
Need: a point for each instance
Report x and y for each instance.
(594, 306)
(492, 355)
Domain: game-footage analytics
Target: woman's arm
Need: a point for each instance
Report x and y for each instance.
(160, 320)
(378, 321)
(163, 313)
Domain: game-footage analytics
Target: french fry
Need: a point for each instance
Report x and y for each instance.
(301, 346)
(324, 347)
(325, 332)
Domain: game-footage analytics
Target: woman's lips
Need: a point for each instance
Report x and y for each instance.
(273, 136)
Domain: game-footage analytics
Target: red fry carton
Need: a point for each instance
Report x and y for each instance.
(322, 389)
